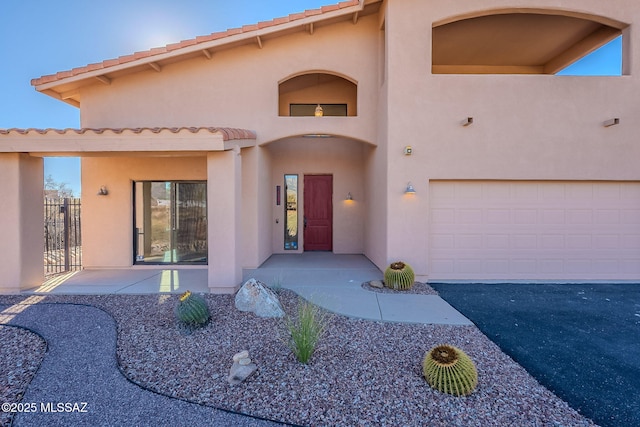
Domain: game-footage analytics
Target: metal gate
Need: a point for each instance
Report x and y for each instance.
(62, 237)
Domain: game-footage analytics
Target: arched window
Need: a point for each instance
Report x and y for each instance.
(301, 95)
(519, 42)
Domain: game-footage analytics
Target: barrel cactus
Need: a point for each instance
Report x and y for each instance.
(399, 276)
(192, 309)
(449, 370)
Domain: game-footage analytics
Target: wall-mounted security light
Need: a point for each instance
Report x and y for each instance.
(410, 189)
(349, 196)
(103, 191)
(466, 122)
(408, 150)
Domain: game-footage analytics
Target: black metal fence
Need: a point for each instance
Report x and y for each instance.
(62, 237)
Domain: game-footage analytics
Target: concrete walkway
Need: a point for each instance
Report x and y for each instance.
(328, 280)
(334, 282)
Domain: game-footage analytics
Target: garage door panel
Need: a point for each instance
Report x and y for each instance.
(630, 216)
(530, 231)
(552, 241)
(607, 216)
(443, 216)
(552, 216)
(631, 266)
(631, 241)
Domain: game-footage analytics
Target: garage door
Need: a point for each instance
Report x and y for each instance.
(534, 231)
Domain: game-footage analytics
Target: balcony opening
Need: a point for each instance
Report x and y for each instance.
(535, 42)
(605, 61)
(302, 94)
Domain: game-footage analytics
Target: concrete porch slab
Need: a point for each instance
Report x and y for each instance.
(331, 281)
(125, 281)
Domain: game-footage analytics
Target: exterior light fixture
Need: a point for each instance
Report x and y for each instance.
(349, 196)
(103, 191)
(410, 189)
(611, 122)
(319, 111)
(467, 121)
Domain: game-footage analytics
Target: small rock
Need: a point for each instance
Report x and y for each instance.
(242, 355)
(376, 284)
(244, 362)
(239, 373)
(256, 297)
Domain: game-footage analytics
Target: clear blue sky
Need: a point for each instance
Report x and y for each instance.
(39, 37)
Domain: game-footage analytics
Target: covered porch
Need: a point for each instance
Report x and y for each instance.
(113, 160)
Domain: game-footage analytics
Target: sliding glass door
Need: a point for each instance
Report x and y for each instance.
(171, 222)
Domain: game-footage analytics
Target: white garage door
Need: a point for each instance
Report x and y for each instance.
(534, 231)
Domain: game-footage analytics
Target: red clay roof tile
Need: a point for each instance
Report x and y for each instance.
(200, 39)
(229, 134)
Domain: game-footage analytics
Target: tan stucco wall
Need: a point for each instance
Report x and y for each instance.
(344, 159)
(525, 127)
(107, 221)
(239, 87)
(21, 216)
(224, 207)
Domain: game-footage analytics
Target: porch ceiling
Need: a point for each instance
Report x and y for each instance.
(532, 43)
(111, 141)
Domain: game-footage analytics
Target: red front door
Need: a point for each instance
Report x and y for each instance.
(318, 213)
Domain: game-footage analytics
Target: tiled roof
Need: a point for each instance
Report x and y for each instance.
(191, 42)
(229, 134)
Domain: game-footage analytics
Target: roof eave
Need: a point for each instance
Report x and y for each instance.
(244, 35)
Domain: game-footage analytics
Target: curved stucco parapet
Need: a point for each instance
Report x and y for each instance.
(318, 136)
(356, 128)
(305, 72)
(573, 13)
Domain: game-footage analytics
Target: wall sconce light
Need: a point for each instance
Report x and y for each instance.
(103, 191)
(319, 111)
(611, 122)
(467, 121)
(349, 196)
(410, 189)
(408, 150)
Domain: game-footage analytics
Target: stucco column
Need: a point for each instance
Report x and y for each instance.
(21, 222)
(224, 220)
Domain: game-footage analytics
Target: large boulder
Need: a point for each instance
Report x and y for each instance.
(256, 297)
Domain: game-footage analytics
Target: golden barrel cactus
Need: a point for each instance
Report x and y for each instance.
(192, 309)
(449, 370)
(399, 276)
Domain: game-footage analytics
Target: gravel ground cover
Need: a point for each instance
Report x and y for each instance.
(21, 352)
(363, 373)
(418, 288)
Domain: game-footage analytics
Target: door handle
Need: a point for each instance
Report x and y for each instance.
(305, 221)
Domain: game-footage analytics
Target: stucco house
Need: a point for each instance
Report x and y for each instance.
(430, 131)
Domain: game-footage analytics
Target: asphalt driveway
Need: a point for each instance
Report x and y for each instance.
(580, 341)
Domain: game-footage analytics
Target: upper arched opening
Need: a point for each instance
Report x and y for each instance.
(301, 94)
(518, 41)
